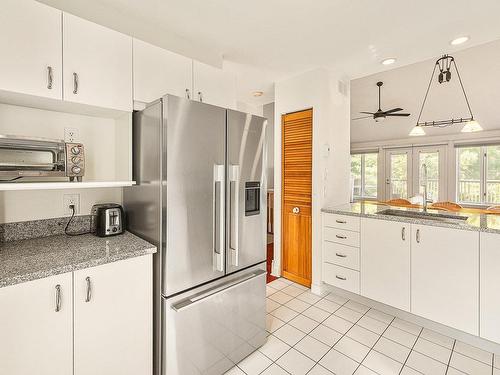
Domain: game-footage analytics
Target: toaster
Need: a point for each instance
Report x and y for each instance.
(107, 219)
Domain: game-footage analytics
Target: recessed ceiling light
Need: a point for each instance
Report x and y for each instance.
(459, 40)
(389, 61)
(257, 93)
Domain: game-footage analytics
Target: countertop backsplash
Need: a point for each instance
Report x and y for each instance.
(24, 230)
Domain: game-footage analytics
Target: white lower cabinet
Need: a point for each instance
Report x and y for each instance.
(445, 276)
(113, 321)
(96, 321)
(490, 287)
(385, 262)
(36, 334)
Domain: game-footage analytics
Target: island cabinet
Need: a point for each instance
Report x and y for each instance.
(385, 262)
(445, 276)
(490, 287)
(92, 321)
(36, 327)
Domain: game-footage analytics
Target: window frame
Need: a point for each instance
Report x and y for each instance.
(483, 180)
(362, 172)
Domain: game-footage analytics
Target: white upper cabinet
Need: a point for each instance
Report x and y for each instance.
(31, 49)
(36, 327)
(97, 65)
(385, 262)
(113, 318)
(490, 287)
(158, 72)
(445, 276)
(213, 86)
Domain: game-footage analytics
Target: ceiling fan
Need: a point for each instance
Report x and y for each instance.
(381, 115)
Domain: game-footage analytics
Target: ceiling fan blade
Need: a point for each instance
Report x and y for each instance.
(368, 113)
(398, 114)
(394, 110)
(360, 118)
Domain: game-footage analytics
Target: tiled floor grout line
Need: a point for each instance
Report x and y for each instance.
(451, 354)
(373, 347)
(341, 337)
(411, 350)
(379, 319)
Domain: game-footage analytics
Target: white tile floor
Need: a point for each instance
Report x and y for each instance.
(325, 335)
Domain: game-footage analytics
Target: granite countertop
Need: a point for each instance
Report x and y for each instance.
(475, 222)
(30, 259)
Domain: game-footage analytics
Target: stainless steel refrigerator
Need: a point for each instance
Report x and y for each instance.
(201, 198)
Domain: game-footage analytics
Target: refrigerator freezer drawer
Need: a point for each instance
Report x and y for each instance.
(210, 329)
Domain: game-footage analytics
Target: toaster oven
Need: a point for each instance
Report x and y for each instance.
(40, 157)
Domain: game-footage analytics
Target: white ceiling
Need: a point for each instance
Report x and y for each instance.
(285, 37)
(405, 87)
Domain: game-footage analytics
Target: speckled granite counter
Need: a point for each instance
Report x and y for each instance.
(30, 259)
(476, 222)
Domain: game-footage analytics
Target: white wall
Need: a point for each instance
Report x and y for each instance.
(316, 89)
(405, 87)
(106, 143)
(269, 114)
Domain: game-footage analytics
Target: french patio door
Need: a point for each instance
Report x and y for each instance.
(404, 172)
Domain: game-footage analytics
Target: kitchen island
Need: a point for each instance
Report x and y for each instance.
(439, 265)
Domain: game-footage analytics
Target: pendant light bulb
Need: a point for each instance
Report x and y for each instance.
(471, 127)
(417, 131)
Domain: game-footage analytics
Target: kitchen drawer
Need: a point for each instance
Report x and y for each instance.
(344, 237)
(342, 255)
(341, 221)
(341, 277)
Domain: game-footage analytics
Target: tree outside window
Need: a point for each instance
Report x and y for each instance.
(364, 172)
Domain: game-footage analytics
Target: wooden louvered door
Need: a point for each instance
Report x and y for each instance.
(297, 196)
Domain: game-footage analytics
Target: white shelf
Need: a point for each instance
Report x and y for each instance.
(10, 186)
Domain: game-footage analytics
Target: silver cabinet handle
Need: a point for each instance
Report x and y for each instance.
(417, 236)
(188, 94)
(75, 83)
(50, 77)
(296, 210)
(58, 298)
(403, 233)
(200, 96)
(341, 237)
(341, 255)
(340, 277)
(88, 295)
(341, 221)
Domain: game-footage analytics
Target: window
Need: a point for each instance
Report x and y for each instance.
(478, 172)
(364, 173)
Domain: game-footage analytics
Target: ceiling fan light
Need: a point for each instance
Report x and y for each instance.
(417, 131)
(471, 127)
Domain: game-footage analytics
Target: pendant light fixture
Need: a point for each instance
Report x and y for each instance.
(444, 64)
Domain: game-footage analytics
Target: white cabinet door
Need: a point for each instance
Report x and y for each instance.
(385, 262)
(214, 86)
(97, 65)
(445, 276)
(31, 49)
(113, 318)
(158, 72)
(490, 287)
(34, 337)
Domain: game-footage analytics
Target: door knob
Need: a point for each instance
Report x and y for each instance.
(295, 210)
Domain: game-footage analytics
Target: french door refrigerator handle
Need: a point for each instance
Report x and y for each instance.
(234, 199)
(218, 225)
(197, 298)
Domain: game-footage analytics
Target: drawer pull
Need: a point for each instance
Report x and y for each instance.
(340, 277)
(341, 237)
(403, 233)
(341, 221)
(417, 236)
(341, 255)
(88, 294)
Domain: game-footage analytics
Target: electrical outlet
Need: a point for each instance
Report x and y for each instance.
(70, 135)
(71, 199)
